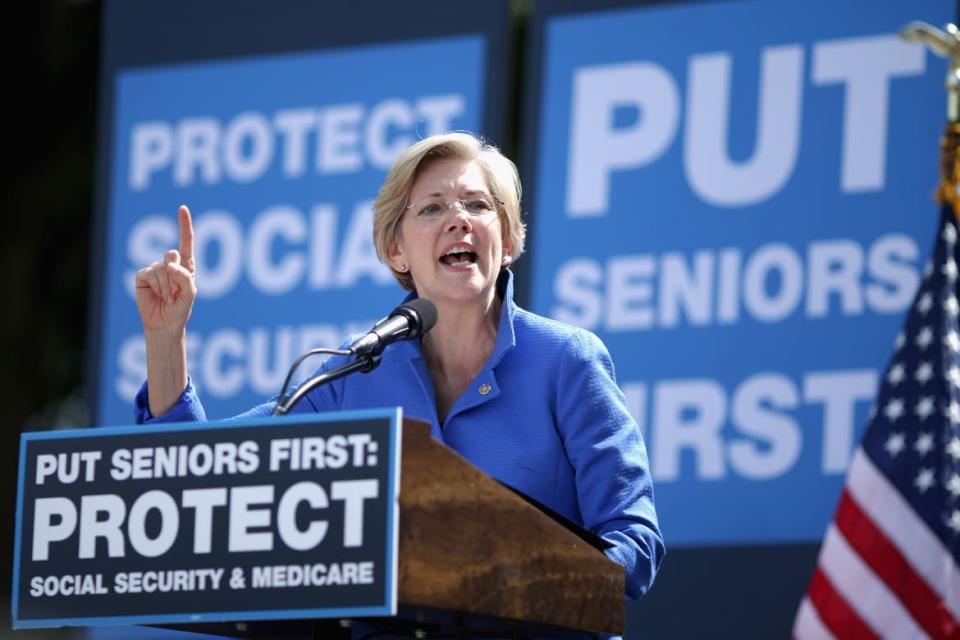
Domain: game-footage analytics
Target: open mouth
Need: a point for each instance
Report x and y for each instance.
(459, 257)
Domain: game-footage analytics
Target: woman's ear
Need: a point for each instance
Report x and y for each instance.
(396, 258)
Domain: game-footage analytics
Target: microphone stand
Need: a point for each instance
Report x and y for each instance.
(365, 363)
(409, 320)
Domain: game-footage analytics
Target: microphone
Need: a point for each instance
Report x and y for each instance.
(408, 321)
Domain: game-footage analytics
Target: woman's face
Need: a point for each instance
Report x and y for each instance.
(453, 251)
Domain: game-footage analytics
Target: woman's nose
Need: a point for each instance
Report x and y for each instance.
(457, 216)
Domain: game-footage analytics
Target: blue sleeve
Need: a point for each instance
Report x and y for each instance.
(606, 449)
(188, 407)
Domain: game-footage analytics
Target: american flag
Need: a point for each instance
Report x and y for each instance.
(888, 566)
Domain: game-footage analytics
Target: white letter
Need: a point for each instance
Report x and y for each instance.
(293, 125)
(132, 366)
(223, 228)
(202, 501)
(121, 464)
(597, 147)
(151, 148)
(778, 432)
(712, 175)
(264, 375)
(678, 287)
(169, 523)
(197, 143)
(90, 459)
(91, 527)
(899, 276)
(219, 380)
(865, 66)
(824, 279)
(44, 532)
(839, 391)
(629, 292)
(672, 433)
(243, 518)
(301, 539)
(770, 308)
(283, 222)
(279, 450)
(575, 287)
(358, 256)
(340, 139)
(440, 111)
(389, 112)
(353, 493)
(728, 283)
(323, 238)
(254, 128)
(46, 466)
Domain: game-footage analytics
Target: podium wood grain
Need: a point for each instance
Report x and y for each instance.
(469, 545)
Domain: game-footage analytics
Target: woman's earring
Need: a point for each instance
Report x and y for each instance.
(403, 268)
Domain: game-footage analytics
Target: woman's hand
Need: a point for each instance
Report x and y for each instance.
(166, 290)
(165, 295)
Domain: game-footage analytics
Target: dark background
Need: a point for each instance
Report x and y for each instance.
(52, 76)
(52, 52)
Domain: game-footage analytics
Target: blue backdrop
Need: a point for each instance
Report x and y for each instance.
(279, 158)
(736, 197)
(276, 125)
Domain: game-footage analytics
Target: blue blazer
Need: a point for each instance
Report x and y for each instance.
(544, 416)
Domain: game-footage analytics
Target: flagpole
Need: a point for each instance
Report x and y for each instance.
(945, 44)
(889, 565)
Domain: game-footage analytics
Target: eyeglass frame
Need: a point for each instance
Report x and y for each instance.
(448, 202)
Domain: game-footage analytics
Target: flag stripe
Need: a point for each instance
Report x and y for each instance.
(834, 612)
(863, 591)
(809, 626)
(889, 565)
(892, 554)
(891, 514)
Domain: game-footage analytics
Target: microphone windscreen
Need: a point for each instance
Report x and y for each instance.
(425, 312)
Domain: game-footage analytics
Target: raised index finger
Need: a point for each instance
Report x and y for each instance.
(186, 238)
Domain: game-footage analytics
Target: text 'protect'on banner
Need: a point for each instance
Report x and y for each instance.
(295, 517)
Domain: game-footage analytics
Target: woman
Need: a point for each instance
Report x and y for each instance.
(531, 401)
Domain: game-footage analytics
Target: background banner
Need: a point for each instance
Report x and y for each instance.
(737, 197)
(279, 155)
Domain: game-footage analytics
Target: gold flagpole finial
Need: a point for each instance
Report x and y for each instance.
(945, 44)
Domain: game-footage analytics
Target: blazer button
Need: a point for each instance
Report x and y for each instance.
(485, 389)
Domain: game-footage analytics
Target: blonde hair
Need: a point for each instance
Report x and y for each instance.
(502, 180)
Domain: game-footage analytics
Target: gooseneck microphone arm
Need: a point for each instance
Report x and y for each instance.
(408, 321)
(364, 364)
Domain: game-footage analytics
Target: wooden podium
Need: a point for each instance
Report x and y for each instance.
(469, 545)
(475, 558)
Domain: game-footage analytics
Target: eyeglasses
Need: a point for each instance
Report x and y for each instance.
(478, 204)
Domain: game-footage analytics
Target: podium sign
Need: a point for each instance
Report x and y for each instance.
(292, 517)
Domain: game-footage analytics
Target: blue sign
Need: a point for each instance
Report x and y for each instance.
(295, 517)
(736, 196)
(279, 158)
